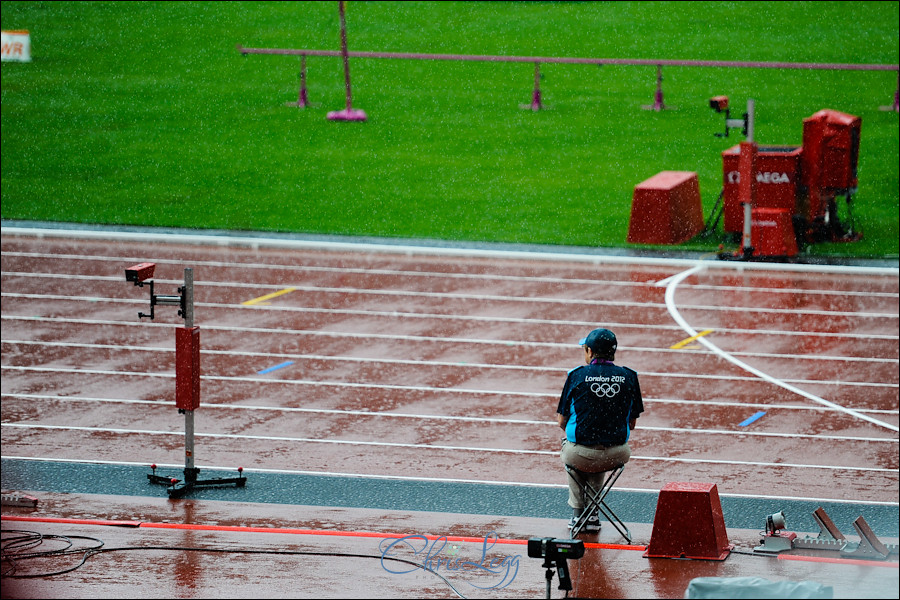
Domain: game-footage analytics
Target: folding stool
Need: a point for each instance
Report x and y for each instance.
(595, 500)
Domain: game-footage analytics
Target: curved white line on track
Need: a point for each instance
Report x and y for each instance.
(671, 285)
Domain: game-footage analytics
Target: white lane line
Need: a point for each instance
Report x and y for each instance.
(419, 388)
(662, 401)
(335, 311)
(410, 250)
(431, 417)
(432, 274)
(442, 340)
(553, 453)
(414, 315)
(482, 297)
(672, 284)
(437, 363)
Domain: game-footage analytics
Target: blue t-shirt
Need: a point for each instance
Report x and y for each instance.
(598, 402)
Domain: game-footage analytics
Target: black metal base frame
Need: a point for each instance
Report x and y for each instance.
(178, 488)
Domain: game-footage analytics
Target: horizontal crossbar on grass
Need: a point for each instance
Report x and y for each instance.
(577, 60)
(658, 103)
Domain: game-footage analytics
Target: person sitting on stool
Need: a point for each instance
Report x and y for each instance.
(598, 408)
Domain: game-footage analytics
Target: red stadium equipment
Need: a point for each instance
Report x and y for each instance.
(832, 142)
(777, 174)
(773, 233)
(187, 368)
(718, 103)
(689, 523)
(802, 181)
(140, 273)
(830, 159)
(666, 209)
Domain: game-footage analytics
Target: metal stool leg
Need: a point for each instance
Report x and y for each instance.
(582, 519)
(595, 499)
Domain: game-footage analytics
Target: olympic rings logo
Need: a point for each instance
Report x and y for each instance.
(607, 390)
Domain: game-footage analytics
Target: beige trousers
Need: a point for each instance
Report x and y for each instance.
(594, 462)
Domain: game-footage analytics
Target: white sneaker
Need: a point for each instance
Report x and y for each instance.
(592, 525)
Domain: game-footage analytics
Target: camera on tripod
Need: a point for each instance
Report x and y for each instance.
(555, 553)
(552, 548)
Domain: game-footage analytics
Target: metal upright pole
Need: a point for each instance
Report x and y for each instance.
(658, 103)
(348, 114)
(747, 183)
(187, 380)
(751, 109)
(345, 55)
(303, 99)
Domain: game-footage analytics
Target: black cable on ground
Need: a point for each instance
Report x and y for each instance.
(31, 539)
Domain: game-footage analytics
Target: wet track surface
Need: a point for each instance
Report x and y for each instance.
(427, 383)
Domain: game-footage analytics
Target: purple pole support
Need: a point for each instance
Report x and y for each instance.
(348, 114)
(658, 103)
(896, 106)
(302, 97)
(536, 95)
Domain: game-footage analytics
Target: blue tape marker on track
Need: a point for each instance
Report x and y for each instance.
(751, 419)
(276, 367)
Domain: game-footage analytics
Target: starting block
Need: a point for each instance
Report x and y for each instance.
(831, 538)
(869, 546)
(776, 540)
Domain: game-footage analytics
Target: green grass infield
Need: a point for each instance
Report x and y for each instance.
(145, 113)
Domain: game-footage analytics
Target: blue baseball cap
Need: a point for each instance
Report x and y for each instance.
(601, 341)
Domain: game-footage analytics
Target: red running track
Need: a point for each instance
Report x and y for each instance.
(447, 365)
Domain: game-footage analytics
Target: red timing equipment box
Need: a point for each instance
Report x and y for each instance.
(831, 140)
(666, 209)
(773, 233)
(831, 156)
(778, 173)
